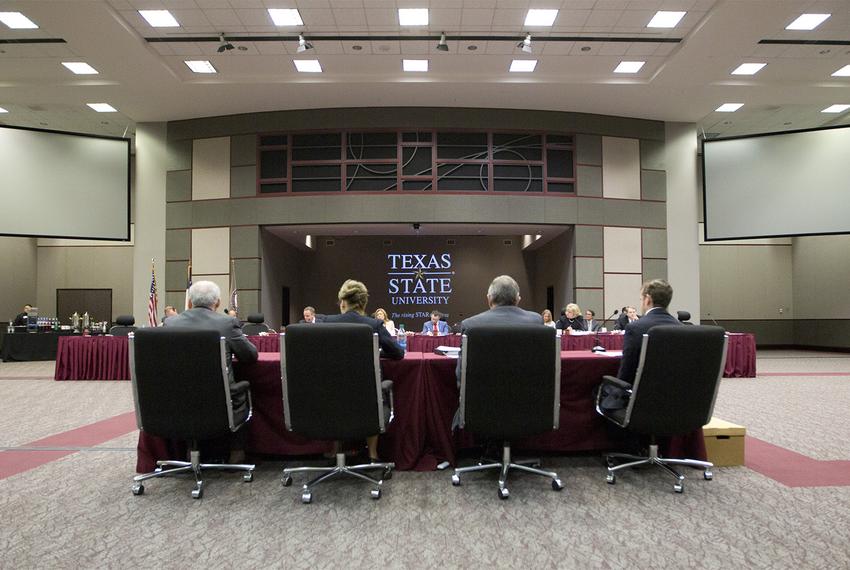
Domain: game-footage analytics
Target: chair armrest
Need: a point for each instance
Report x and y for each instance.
(614, 381)
(387, 385)
(239, 388)
(387, 389)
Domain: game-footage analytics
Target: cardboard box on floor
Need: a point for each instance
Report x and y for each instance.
(724, 442)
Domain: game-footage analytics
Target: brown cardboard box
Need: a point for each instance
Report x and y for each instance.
(724, 442)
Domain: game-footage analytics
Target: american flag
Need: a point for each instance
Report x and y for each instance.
(188, 284)
(152, 300)
(234, 292)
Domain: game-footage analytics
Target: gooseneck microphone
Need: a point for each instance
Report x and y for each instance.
(712, 319)
(599, 347)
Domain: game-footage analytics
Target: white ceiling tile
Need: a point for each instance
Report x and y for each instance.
(602, 19)
(348, 48)
(189, 18)
(499, 48)
(271, 48)
(316, 18)
(636, 19)
(578, 48)
(653, 5)
(571, 19)
(478, 18)
(347, 18)
(120, 4)
(163, 49)
(641, 49)
(415, 47)
(557, 48)
(506, 17)
(611, 4)
(614, 48)
(383, 4)
(179, 5)
(329, 48)
(247, 4)
(250, 17)
(520, 4)
(205, 30)
(663, 49)
(479, 4)
(386, 48)
(383, 19)
(444, 19)
(213, 4)
(184, 49)
(221, 18)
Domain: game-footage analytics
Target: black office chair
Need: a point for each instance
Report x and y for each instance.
(255, 324)
(684, 317)
(182, 391)
(673, 393)
(510, 387)
(124, 325)
(332, 390)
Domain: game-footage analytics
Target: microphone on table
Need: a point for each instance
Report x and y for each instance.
(712, 319)
(599, 347)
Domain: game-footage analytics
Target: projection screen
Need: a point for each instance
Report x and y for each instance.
(64, 185)
(782, 184)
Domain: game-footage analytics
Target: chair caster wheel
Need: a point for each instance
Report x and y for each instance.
(504, 493)
(248, 477)
(197, 492)
(456, 480)
(287, 480)
(610, 478)
(388, 474)
(678, 487)
(708, 475)
(306, 498)
(557, 485)
(376, 494)
(138, 489)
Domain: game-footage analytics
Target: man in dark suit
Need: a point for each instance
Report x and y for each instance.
(310, 316)
(436, 324)
(204, 301)
(22, 318)
(502, 298)
(590, 322)
(655, 297)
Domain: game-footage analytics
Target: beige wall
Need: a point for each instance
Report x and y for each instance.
(821, 269)
(18, 278)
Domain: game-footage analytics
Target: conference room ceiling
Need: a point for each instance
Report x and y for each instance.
(687, 73)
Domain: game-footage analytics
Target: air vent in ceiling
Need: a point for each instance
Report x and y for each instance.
(388, 242)
(329, 243)
(508, 242)
(451, 242)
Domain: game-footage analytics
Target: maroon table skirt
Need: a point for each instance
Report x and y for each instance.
(105, 357)
(740, 356)
(427, 343)
(426, 397)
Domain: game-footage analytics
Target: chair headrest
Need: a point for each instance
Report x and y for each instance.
(257, 318)
(683, 315)
(125, 320)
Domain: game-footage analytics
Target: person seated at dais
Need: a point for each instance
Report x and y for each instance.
(22, 318)
(436, 326)
(381, 315)
(571, 320)
(547, 318)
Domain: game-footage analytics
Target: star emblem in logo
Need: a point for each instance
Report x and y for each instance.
(420, 275)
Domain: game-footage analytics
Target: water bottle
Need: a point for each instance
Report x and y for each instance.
(402, 337)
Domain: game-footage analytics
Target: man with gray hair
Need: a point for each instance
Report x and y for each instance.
(204, 301)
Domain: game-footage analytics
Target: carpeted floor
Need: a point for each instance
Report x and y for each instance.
(76, 511)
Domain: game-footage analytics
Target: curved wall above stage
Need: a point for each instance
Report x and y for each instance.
(213, 213)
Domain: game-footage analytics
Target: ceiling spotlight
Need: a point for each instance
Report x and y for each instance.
(303, 45)
(525, 44)
(441, 46)
(223, 44)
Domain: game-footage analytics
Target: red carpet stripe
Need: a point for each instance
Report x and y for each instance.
(793, 469)
(804, 373)
(14, 461)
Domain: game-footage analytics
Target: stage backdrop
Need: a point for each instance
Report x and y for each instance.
(410, 276)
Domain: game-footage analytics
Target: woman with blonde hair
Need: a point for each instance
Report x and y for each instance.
(571, 319)
(353, 297)
(547, 318)
(381, 315)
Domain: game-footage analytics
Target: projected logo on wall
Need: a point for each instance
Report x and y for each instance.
(418, 283)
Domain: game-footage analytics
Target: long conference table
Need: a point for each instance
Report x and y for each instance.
(426, 397)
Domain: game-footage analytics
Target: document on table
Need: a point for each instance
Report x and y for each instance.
(616, 353)
(450, 351)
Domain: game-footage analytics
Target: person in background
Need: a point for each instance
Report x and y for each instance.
(21, 318)
(353, 297)
(309, 315)
(655, 297)
(381, 315)
(590, 323)
(169, 312)
(629, 316)
(435, 325)
(571, 320)
(547, 318)
(231, 312)
(204, 301)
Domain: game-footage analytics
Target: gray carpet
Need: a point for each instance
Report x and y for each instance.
(78, 512)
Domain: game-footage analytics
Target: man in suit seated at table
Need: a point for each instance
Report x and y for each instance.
(170, 311)
(590, 322)
(22, 318)
(204, 301)
(310, 316)
(655, 297)
(436, 325)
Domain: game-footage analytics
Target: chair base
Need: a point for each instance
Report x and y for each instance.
(654, 459)
(193, 466)
(339, 470)
(505, 466)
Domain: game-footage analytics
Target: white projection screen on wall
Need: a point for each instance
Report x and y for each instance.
(64, 185)
(783, 184)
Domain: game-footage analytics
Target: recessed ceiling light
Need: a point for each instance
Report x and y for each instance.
(415, 64)
(728, 107)
(2, 110)
(80, 67)
(836, 109)
(307, 65)
(286, 17)
(102, 107)
(843, 72)
(807, 22)
(665, 19)
(536, 17)
(523, 65)
(17, 21)
(629, 66)
(748, 68)
(200, 66)
(413, 16)
(159, 18)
